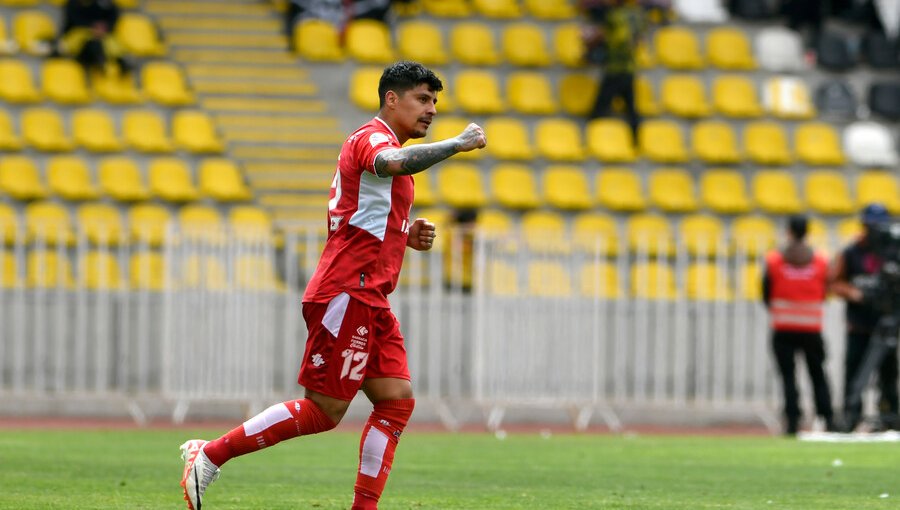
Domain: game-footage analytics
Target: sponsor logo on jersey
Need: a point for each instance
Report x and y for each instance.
(378, 138)
(335, 222)
(318, 360)
(359, 340)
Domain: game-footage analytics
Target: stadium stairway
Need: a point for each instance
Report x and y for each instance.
(263, 101)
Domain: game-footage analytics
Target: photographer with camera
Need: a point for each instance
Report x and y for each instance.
(794, 289)
(855, 277)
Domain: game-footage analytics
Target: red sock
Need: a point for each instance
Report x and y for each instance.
(277, 423)
(376, 450)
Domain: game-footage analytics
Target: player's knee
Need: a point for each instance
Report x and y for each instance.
(334, 408)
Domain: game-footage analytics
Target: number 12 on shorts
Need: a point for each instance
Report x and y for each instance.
(351, 370)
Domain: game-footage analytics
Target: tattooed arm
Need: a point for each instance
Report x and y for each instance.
(414, 159)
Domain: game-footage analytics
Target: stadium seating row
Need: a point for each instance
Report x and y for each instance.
(93, 129)
(102, 270)
(120, 178)
(48, 223)
(562, 139)
(65, 82)
(672, 190)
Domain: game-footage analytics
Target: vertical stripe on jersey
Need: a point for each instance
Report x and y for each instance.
(374, 204)
(334, 314)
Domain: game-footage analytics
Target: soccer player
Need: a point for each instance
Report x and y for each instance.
(354, 339)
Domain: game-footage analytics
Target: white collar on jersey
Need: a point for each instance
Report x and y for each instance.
(379, 119)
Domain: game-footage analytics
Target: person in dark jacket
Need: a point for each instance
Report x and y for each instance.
(87, 35)
(794, 288)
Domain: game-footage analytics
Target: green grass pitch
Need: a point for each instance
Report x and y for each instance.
(140, 469)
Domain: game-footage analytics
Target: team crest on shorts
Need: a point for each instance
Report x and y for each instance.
(318, 360)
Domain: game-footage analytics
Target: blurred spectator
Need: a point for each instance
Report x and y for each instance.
(332, 11)
(87, 35)
(611, 40)
(803, 13)
(379, 10)
(458, 251)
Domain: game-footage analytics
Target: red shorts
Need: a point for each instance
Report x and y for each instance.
(350, 341)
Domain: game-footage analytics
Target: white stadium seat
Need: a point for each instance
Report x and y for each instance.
(700, 11)
(779, 49)
(870, 144)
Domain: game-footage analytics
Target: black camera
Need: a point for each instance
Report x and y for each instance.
(884, 292)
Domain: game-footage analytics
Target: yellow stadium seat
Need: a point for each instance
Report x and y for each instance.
(788, 98)
(662, 141)
(9, 140)
(567, 188)
(619, 189)
(70, 178)
(8, 224)
(848, 230)
(644, 98)
(509, 138)
(164, 83)
(17, 85)
(683, 95)
(729, 49)
(193, 131)
(502, 279)
(115, 88)
(644, 56)
(735, 96)
(530, 93)
(460, 185)
(9, 270)
(724, 191)
(514, 187)
(138, 36)
(817, 235)
(678, 48)
(478, 92)
(20, 178)
(252, 224)
(145, 131)
(450, 126)
(493, 223)
(448, 8)
(878, 186)
(369, 41)
(318, 41)
(707, 282)
(595, 234)
(100, 223)
(827, 193)
(653, 280)
(702, 235)
(100, 270)
(551, 9)
(364, 88)
(577, 93)
(559, 139)
(750, 282)
(472, 44)
(43, 129)
(22, 3)
(610, 141)
(817, 143)
(672, 190)
(524, 45)
(206, 272)
(548, 278)
(504, 9)
(752, 235)
(650, 233)
(33, 30)
(221, 180)
(64, 81)
(766, 143)
(256, 272)
(544, 232)
(48, 224)
(201, 223)
(121, 179)
(147, 271)
(93, 130)
(715, 142)
(599, 279)
(775, 191)
(425, 195)
(422, 41)
(170, 179)
(148, 223)
(48, 269)
(568, 45)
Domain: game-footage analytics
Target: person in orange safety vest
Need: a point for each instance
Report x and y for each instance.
(795, 284)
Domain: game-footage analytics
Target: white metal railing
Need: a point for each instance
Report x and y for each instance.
(219, 318)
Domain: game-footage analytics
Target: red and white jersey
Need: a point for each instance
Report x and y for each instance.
(368, 223)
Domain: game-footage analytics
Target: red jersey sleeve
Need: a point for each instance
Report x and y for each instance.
(369, 144)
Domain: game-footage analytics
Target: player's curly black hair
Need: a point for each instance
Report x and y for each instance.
(406, 75)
